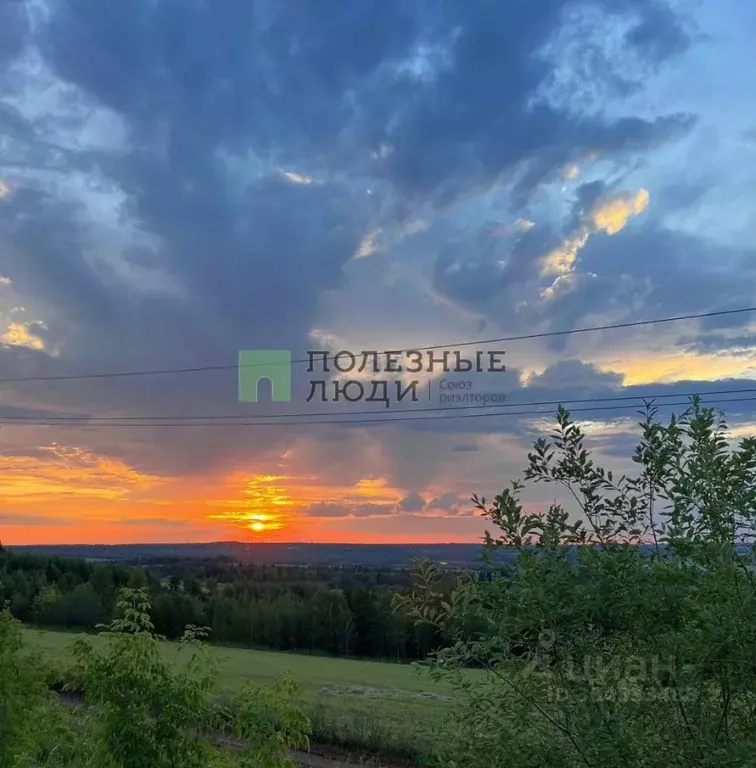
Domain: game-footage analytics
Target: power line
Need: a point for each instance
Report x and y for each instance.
(562, 401)
(525, 337)
(366, 421)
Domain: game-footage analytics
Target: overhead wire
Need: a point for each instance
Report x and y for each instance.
(428, 419)
(478, 342)
(238, 417)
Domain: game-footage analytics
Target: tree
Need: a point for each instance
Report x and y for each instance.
(45, 605)
(80, 608)
(624, 637)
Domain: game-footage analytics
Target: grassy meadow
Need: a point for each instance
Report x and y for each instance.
(373, 706)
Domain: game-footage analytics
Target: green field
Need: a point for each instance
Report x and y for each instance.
(375, 706)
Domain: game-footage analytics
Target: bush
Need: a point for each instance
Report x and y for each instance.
(624, 638)
(142, 711)
(25, 700)
(149, 713)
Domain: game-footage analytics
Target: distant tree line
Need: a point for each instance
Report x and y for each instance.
(335, 610)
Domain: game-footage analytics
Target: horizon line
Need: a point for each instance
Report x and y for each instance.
(258, 543)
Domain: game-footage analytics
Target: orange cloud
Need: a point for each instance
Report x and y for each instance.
(267, 503)
(561, 261)
(660, 367)
(379, 239)
(65, 472)
(19, 335)
(611, 215)
(67, 494)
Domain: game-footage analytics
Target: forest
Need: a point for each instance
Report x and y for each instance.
(334, 610)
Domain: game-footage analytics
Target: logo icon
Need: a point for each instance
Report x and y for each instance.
(271, 364)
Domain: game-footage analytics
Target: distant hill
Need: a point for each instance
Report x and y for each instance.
(387, 555)
(274, 554)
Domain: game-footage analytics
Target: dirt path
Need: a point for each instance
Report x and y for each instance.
(319, 756)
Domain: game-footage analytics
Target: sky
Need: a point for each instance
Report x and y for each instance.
(184, 179)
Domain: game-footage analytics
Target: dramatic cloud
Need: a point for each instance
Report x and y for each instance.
(330, 509)
(412, 503)
(20, 335)
(179, 181)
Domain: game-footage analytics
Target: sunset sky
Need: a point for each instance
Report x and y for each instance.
(183, 180)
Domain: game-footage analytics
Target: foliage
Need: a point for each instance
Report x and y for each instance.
(149, 712)
(23, 694)
(334, 610)
(145, 712)
(624, 637)
(141, 710)
(364, 707)
(271, 723)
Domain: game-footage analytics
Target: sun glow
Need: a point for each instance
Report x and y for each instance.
(257, 509)
(262, 522)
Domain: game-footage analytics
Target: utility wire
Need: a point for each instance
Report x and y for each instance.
(442, 417)
(545, 334)
(88, 419)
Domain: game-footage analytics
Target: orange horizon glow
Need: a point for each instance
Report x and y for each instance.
(63, 536)
(73, 496)
(374, 540)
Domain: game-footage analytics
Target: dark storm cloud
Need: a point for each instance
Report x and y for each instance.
(47, 259)
(590, 395)
(332, 509)
(414, 502)
(273, 74)
(720, 342)
(446, 85)
(474, 120)
(567, 375)
(312, 87)
(587, 195)
(573, 379)
(452, 503)
(671, 398)
(191, 79)
(682, 269)
(646, 269)
(481, 278)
